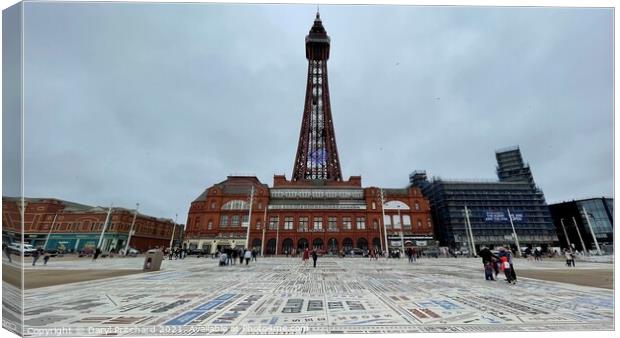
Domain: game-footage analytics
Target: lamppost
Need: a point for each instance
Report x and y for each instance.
(598, 248)
(387, 247)
(131, 229)
(400, 226)
(50, 232)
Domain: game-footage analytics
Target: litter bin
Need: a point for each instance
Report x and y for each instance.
(152, 261)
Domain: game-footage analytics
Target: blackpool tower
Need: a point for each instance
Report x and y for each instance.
(317, 154)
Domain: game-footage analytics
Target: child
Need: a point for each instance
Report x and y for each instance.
(488, 271)
(506, 267)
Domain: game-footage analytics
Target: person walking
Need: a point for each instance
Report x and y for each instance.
(35, 256)
(96, 255)
(46, 258)
(314, 257)
(568, 257)
(306, 256)
(241, 255)
(487, 256)
(248, 256)
(253, 255)
(7, 251)
(506, 267)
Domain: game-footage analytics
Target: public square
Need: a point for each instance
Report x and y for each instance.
(284, 295)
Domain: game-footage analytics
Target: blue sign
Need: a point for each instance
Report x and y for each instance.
(502, 217)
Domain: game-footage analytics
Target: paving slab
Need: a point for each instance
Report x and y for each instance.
(194, 296)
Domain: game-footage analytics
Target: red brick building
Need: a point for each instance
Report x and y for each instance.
(325, 215)
(316, 208)
(78, 226)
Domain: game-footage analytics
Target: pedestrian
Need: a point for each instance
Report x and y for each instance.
(96, 255)
(35, 256)
(314, 257)
(234, 256)
(513, 274)
(487, 257)
(488, 271)
(170, 253)
(223, 259)
(569, 258)
(7, 251)
(306, 256)
(414, 253)
(241, 254)
(248, 256)
(46, 258)
(254, 254)
(506, 267)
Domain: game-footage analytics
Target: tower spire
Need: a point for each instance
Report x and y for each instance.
(317, 154)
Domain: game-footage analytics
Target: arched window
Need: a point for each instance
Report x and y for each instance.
(236, 205)
(362, 243)
(347, 244)
(317, 244)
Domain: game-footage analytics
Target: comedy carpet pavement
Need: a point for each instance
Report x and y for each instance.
(283, 295)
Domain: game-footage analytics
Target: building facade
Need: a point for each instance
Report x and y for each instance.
(57, 224)
(316, 209)
(490, 208)
(576, 220)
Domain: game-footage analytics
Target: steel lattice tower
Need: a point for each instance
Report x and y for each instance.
(317, 154)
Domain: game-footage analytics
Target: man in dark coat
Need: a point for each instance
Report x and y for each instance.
(314, 257)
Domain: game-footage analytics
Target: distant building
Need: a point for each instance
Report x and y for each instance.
(489, 204)
(77, 226)
(571, 218)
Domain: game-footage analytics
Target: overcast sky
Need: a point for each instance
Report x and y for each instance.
(153, 103)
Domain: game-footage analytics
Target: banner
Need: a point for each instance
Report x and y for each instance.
(502, 217)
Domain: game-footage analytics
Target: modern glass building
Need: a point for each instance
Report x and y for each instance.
(490, 207)
(574, 219)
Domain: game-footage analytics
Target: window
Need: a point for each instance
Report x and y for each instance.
(361, 223)
(236, 205)
(244, 220)
(210, 225)
(258, 224)
(273, 222)
(428, 222)
(332, 223)
(303, 223)
(375, 224)
(407, 221)
(387, 220)
(197, 222)
(260, 206)
(346, 223)
(288, 223)
(318, 223)
(374, 206)
(417, 206)
(224, 220)
(212, 205)
(419, 224)
(234, 221)
(396, 221)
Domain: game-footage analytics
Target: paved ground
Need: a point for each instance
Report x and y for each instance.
(351, 295)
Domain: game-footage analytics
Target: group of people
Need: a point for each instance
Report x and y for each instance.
(493, 264)
(229, 256)
(37, 254)
(177, 253)
(307, 254)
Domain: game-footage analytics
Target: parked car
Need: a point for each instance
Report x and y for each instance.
(357, 252)
(18, 248)
(52, 252)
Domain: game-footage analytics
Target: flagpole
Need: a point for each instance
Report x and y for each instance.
(262, 243)
(515, 233)
(247, 239)
(387, 250)
(174, 227)
(50, 233)
(105, 226)
(131, 229)
(471, 233)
